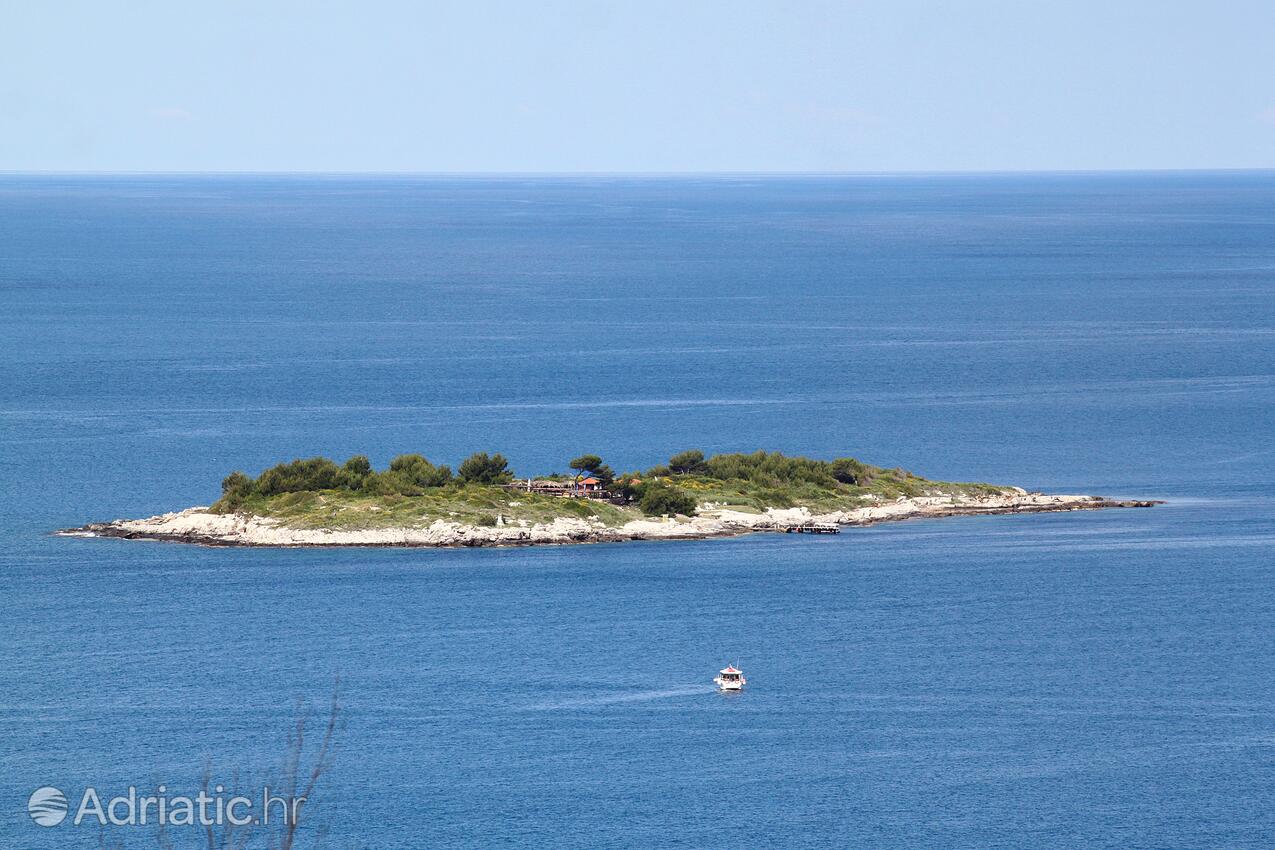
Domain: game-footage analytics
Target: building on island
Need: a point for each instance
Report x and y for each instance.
(589, 488)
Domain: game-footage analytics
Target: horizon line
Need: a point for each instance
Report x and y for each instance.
(650, 174)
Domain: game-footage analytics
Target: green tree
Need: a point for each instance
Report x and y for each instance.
(660, 499)
(358, 465)
(415, 469)
(355, 472)
(687, 462)
(316, 473)
(585, 463)
(629, 485)
(770, 469)
(478, 468)
(235, 489)
(591, 465)
(236, 483)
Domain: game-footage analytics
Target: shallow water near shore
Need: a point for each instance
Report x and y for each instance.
(1092, 679)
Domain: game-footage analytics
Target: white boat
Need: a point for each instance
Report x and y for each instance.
(730, 679)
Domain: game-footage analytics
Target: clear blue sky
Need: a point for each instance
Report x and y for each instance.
(885, 85)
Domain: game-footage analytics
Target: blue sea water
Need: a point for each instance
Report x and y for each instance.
(1078, 680)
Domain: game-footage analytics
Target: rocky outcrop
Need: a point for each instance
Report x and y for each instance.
(199, 526)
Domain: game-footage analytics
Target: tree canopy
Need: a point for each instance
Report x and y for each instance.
(414, 475)
(415, 469)
(586, 463)
(593, 465)
(689, 461)
(479, 468)
(661, 499)
(316, 473)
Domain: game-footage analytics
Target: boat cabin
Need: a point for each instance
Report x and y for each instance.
(730, 679)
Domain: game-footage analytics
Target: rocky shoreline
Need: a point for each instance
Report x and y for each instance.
(198, 526)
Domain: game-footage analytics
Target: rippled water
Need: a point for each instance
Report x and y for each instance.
(1090, 679)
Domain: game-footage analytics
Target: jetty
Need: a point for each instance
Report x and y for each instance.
(814, 528)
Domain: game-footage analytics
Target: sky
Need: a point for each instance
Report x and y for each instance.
(650, 86)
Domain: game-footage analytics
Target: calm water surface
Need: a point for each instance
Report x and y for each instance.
(1086, 680)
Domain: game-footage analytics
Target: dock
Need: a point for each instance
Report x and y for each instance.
(814, 528)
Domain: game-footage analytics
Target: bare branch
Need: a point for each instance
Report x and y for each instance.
(322, 762)
(209, 838)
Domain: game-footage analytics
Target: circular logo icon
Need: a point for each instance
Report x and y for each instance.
(47, 806)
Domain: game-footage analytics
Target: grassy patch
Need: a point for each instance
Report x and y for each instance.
(742, 494)
(413, 492)
(481, 505)
(468, 504)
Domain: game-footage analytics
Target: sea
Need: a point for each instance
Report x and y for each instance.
(1080, 680)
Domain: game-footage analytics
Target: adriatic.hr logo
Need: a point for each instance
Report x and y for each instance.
(47, 806)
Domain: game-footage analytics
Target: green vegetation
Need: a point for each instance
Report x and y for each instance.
(413, 491)
(660, 499)
(407, 475)
(687, 462)
(592, 465)
(478, 468)
(773, 480)
(468, 504)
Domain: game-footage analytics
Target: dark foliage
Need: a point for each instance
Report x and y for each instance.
(419, 472)
(660, 499)
(355, 472)
(586, 463)
(479, 468)
(413, 474)
(316, 473)
(236, 487)
(688, 462)
(847, 470)
(770, 468)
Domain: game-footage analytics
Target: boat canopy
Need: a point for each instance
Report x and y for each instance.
(730, 670)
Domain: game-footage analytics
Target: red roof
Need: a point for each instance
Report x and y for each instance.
(590, 481)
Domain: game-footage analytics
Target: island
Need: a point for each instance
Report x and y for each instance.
(414, 502)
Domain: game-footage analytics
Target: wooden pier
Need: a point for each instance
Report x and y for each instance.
(814, 528)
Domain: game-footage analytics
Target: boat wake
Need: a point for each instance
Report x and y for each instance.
(621, 697)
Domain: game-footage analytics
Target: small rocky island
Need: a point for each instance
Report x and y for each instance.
(413, 502)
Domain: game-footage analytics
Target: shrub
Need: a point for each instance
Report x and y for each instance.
(847, 470)
(355, 471)
(627, 485)
(388, 484)
(770, 468)
(478, 468)
(660, 499)
(415, 470)
(235, 489)
(236, 483)
(770, 477)
(316, 473)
